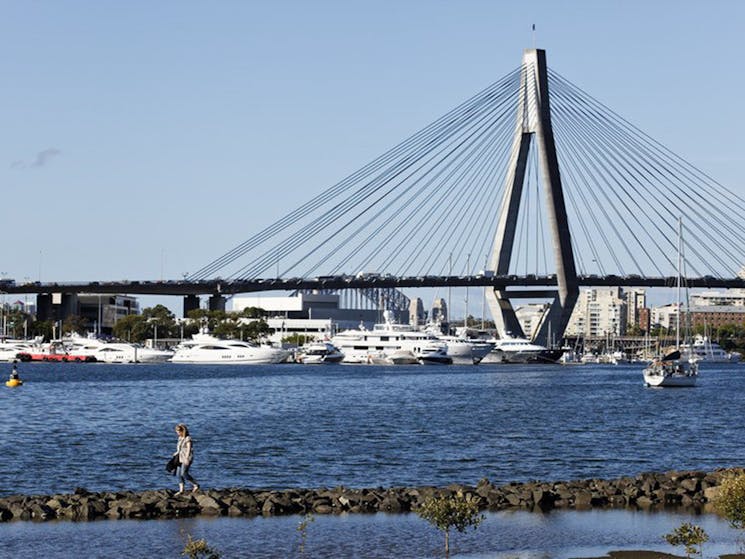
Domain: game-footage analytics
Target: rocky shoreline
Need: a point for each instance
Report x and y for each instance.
(690, 489)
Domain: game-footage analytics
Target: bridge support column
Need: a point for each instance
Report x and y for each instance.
(44, 308)
(69, 306)
(534, 126)
(217, 302)
(191, 303)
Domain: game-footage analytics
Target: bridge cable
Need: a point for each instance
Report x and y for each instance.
(331, 216)
(413, 142)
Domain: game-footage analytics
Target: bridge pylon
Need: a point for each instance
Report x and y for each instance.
(534, 123)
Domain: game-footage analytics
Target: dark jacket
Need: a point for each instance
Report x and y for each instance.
(172, 464)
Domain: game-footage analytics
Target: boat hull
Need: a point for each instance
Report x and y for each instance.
(670, 381)
(321, 359)
(436, 360)
(230, 360)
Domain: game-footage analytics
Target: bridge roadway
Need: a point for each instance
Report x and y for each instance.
(541, 285)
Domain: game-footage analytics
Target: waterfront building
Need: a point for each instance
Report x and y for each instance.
(709, 317)
(599, 312)
(665, 316)
(729, 297)
(716, 316)
(636, 304)
(709, 309)
(101, 312)
(645, 319)
(309, 306)
(316, 328)
(529, 316)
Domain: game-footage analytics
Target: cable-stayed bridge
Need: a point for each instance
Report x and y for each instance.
(531, 187)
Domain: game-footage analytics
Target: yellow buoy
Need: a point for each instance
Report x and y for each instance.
(12, 383)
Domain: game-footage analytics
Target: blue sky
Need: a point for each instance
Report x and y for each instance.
(142, 139)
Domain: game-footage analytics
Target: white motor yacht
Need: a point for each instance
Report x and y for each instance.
(9, 349)
(434, 354)
(319, 352)
(514, 350)
(207, 349)
(465, 351)
(152, 354)
(112, 352)
(703, 349)
(384, 341)
(399, 357)
(94, 349)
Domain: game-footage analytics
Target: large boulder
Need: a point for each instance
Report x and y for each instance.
(209, 505)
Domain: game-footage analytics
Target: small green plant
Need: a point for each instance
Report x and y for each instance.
(730, 501)
(302, 529)
(455, 511)
(199, 549)
(690, 536)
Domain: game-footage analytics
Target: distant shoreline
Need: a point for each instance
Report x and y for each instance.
(647, 491)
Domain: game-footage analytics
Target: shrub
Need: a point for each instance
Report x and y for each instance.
(199, 549)
(730, 501)
(454, 511)
(690, 536)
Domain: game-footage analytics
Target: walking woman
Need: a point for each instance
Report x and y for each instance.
(185, 453)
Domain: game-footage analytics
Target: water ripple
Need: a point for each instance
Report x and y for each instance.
(111, 427)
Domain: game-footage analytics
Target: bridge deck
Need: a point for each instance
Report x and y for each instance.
(218, 286)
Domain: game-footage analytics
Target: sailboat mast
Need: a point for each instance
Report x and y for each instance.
(680, 250)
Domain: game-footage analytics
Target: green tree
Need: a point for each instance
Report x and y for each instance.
(202, 318)
(690, 536)
(131, 328)
(17, 322)
(74, 323)
(253, 312)
(163, 319)
(44, 328)
(634, 330)
(198, 315)
(228, 327)
(730, 500)
(454, 511)
(257, 329)
(297, 339)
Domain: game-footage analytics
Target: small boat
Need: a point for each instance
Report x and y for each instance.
(374, 358)
(509, 349)
(434, 354)
(10, 349)
(671, 371)
(465, 351)
(319, 352)
(14, 382)
(402, 357)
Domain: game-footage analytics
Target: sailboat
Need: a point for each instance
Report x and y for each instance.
(671, 370)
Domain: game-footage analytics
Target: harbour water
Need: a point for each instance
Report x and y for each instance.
(110, 427)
